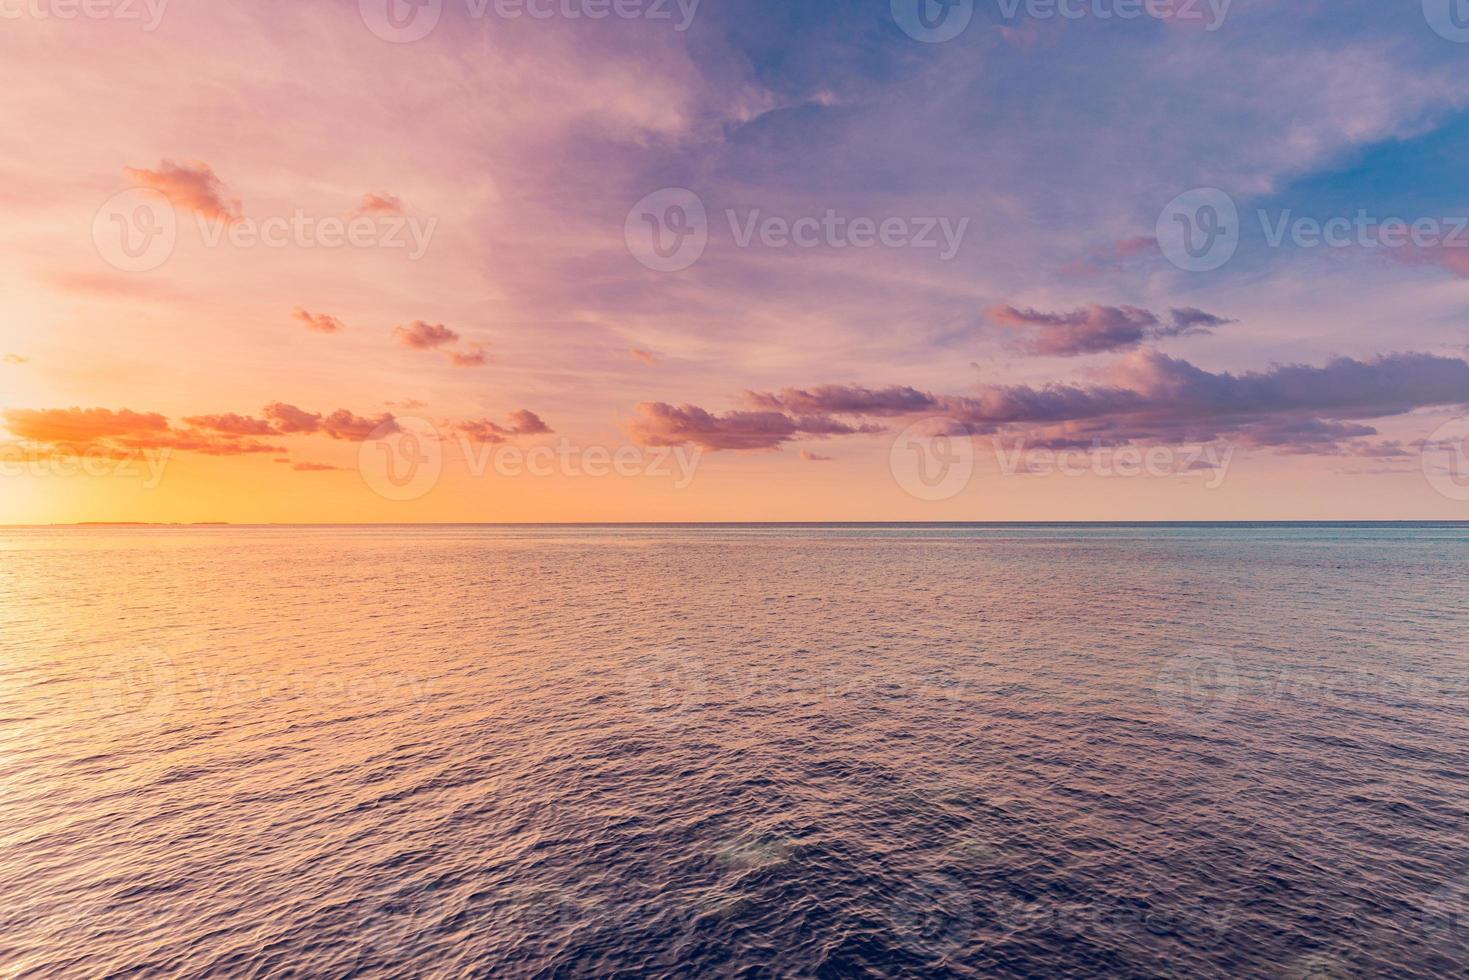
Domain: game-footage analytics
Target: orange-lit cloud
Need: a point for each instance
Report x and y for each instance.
(380, 203)
(522, 423)
(421, 335)
(474, 356)
(190, 185)
(319, 322)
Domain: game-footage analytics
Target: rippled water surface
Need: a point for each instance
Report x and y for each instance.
(775, 751)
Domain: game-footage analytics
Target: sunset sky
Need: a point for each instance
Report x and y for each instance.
(979, 265)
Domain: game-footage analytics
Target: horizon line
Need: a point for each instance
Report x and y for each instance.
(735, 523)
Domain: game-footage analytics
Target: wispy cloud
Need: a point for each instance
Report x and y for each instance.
(191, 186)
(318, 322)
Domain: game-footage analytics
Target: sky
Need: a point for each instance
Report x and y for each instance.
(667, 260)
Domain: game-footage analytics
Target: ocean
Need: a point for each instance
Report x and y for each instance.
(758, 751)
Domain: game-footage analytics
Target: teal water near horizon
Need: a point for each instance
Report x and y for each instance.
(795, 750)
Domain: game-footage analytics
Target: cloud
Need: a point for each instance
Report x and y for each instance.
(319, 322)
(191, 186)
(380, 203)
(845, 400)
(82, 425)
(341, 424)
(661, 424)
(811, 457)
(1190, 320)
(290, 420)
(232, 424)
(312, 467)
(1146, 398)
(522, 423)
(1096, 329)
(16, 359)
(420, 335)
(645, 356)
(473, 356)
(120, 431)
